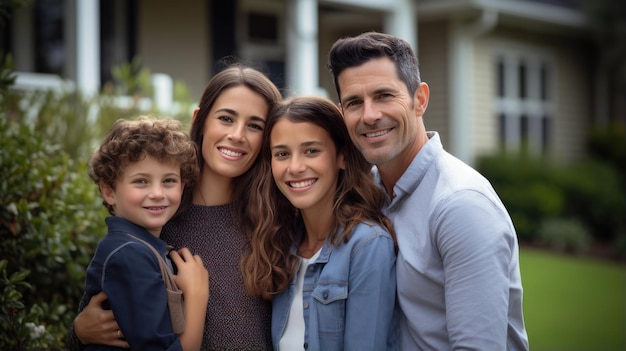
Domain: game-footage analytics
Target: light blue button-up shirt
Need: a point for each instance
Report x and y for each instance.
(459, 283)
(348, 295)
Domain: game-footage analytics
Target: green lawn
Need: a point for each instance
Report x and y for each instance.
(573, 304)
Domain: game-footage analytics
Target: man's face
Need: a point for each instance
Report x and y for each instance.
(378, 110)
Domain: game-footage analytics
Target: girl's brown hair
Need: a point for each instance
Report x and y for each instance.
(274, 222)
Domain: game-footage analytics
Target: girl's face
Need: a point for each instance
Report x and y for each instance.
(305, 164)
(233, 132)
(147, 193)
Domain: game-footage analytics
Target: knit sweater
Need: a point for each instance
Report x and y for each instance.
(234, 321)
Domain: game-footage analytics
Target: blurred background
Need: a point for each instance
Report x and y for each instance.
(532, 93)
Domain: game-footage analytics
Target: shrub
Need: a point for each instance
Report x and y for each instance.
(609, 145)
(526, 187)
(51, 214)
(51, 217)
(595, 194)
(565, 235)
(592, 192)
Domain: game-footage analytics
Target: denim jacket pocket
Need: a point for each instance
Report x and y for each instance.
(330, 300)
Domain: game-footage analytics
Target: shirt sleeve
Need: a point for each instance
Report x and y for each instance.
(476, 241)
(133, 282)
(371, 294)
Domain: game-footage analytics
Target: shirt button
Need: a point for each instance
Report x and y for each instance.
(306, 345)
(325, 295)
(305, 305)
(311, 268)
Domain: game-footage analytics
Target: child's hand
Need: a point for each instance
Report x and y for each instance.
(192, 277)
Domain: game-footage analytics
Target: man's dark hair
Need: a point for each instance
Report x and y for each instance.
(355, 51)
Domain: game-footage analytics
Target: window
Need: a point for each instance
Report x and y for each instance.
(261, 36)
(523, 109)
(262, 28)
(118, 22)
(49, 37)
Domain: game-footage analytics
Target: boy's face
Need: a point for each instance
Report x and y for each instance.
(147, 193)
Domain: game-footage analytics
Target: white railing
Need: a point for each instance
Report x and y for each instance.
(162, 100)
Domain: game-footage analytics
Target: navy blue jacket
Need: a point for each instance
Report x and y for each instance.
(129, 273)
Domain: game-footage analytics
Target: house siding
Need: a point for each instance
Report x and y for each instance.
(573, 101)
(484, 121)
(173, 39)
(569, 90)
(432, 54)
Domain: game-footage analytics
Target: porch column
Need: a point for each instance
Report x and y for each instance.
(88, 46)
(302, 47)
(461, 82)
(401, 21)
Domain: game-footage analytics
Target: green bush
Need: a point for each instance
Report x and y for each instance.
(565, 235)
(51, 214)
(595, 194)
(51, 218)
(527, 188)
(535, 190)
(609, 145)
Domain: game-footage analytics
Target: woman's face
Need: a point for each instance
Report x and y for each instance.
(233, 132)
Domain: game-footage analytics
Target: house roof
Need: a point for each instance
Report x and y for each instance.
(553, 16)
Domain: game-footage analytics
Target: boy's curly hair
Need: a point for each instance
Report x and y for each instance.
(130, 141)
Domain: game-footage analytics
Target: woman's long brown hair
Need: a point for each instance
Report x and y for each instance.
(274, 222)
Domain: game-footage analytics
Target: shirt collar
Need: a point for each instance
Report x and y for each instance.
(122, 225)
(416, 171)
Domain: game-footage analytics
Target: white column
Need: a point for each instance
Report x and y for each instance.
(163, 91)
(88, 46)
(461, 82)
(401, 22)
(302, 47)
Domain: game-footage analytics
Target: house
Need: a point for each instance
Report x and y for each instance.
(503, 73)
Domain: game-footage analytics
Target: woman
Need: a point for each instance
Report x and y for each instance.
(322, 249)
(228, 128)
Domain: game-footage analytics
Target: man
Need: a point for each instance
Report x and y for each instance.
(459, 284)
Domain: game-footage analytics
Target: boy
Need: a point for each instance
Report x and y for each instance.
(141, 169)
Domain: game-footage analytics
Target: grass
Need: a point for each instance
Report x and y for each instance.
(573, 304)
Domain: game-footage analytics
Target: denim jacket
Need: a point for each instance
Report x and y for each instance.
(348, 294)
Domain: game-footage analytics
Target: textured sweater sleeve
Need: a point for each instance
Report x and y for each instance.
(72, 341)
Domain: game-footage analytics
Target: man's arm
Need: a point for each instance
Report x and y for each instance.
(476, 243)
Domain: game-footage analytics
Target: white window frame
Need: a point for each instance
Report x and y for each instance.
(514, 107)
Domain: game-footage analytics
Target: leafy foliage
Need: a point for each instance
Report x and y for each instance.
(540, 196)
(51, 214)
(567, 235)
(50, 219)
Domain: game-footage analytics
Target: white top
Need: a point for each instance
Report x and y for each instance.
(293, 337)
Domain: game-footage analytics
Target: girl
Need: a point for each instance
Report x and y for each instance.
(322, 250)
